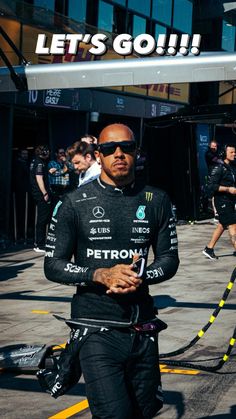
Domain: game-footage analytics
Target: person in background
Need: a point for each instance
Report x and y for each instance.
(222, 185)
(98, 232)
(59, 178)
(41, 193)
(213, 159)
(82, 156)
(212, 156)
(73, 173)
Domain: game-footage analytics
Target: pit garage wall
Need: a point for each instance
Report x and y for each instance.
(59, 117)
(172, 163)
(6, 124)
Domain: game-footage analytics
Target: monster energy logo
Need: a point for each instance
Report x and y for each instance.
(149, 196)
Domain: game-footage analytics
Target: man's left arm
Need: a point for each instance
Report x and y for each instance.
(55, 170)
(165, 246)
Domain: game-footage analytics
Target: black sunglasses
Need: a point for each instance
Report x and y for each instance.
(109, 148)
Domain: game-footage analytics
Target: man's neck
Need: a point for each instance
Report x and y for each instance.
(116, 183)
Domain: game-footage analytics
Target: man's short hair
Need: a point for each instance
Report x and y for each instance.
(93, 140)
(213, 141)
(42, 150)
(57, 149)
(81, 147)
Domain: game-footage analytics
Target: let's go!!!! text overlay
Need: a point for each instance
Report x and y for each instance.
(123, 44)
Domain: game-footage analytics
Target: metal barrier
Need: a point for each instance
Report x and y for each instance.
(24, 217)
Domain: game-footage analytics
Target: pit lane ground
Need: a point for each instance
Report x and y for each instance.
(185, 302)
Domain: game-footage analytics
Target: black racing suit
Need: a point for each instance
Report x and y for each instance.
(223, 175)
(102, 226)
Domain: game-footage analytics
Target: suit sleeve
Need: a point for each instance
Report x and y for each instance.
(165, 245)
(60, 247)
(214, 181)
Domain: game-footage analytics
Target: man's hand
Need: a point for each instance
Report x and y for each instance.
(52, 170)
(46, 197)
(232, 190)
(120, 279)
(65, 168)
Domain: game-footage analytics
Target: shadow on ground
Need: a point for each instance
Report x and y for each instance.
(12, 272)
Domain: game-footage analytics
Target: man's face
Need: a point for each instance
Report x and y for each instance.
(213, 147)
(61, 155)
(81, 163)
(45, 155)
(24, 154)
(117, 161)
(230, 153)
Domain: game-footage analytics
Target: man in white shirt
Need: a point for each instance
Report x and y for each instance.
(84, 161)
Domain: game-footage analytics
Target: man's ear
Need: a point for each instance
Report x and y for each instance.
(88, 157)
(97, 155)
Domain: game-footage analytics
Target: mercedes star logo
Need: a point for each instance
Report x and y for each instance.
(98, 212)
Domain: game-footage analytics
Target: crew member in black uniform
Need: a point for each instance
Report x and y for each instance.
(213, 159)
(104, 226)
(212, 156)
(41, 193)
(222, 185)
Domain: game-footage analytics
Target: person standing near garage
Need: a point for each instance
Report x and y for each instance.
(222, 185)
(42, 195)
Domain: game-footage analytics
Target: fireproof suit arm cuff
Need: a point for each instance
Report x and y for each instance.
(165, 246)
(67, 273)
(162, 268)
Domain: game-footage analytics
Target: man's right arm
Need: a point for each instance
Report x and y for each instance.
(40, 181)
(60, 247)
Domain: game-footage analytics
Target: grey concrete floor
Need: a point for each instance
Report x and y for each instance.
(185, 302)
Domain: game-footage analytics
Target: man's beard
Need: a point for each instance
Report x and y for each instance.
(122, 176)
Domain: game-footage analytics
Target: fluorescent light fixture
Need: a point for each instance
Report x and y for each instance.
(229, 6)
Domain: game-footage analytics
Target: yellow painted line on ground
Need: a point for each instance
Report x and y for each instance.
(79, 407)
(40, 312)
(62, 346)
(71, 411)
(165, 369)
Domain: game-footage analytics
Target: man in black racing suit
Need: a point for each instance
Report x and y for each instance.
(104, 225)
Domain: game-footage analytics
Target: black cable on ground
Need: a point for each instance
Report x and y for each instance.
(210, 322)
(213, 368)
